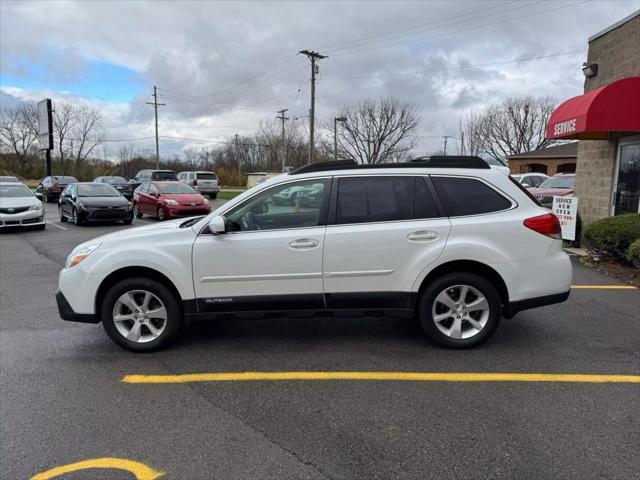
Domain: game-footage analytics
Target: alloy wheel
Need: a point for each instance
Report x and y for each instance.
(160, 214)
(139, 316)
(460, 311)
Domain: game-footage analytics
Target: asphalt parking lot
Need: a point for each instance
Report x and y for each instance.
(63, 399)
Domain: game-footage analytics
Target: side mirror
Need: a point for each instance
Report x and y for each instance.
(39, 196)
(526, 185)
(217, 225)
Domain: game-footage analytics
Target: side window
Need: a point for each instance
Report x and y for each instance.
(423, 204)
(467, 196)
(144, 188)
(292, 205)
(151, 188)
(374, 199)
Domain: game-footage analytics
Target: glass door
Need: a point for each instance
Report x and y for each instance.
(626, 196)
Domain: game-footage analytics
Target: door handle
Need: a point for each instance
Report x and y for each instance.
(422, 235)
(303, 243)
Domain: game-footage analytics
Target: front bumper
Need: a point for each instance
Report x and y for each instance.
(67, 313)
(105, 214)
(29, 218)
(179, 211)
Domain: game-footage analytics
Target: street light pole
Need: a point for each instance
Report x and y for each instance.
(335, 135)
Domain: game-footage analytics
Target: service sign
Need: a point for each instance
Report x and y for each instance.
(566, 209)
(45, 124)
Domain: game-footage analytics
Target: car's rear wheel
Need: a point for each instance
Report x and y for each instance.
(136, 210)
(160, 213)
(459, 310)
(141, 315)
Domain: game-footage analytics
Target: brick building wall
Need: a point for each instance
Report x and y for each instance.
(520, 165)
(617, 53)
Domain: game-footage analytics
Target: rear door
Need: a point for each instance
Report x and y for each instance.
(383, 231)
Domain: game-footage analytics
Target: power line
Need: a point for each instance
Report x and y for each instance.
(393, 33)
(458, 31)
(221, 142)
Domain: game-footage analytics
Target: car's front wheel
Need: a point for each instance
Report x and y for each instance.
(160, 213)
(141, 315)
(75, 217)
(459, 310)
(63, 219)
(136, 210)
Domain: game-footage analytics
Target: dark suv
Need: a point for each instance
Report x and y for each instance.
(51, 187)
(152, 175)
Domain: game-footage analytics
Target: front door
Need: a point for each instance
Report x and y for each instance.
(384, 231)
(626, 194)
(270, 257)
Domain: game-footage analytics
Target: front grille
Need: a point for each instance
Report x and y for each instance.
(32, 220)
(545, 199)
(107, 214)
(10, 210)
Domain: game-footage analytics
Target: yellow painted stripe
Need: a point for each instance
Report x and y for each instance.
(397, 376)
(139, 470)
(605, 287)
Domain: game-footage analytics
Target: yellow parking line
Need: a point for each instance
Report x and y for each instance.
(56, 225)
(604, 287)
(142, 221)
(397, 376)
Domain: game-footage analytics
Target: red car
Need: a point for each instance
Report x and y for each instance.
(560, 185)
(168, 200)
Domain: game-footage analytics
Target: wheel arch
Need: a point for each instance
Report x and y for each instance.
(132, 272)
(468, 266)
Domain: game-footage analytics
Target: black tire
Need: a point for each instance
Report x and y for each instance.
(213, 196)
(63, 219)
(427, 299)
(160, 214)
(75, 217)
(136, 210)
(127, 221)
(174, 320)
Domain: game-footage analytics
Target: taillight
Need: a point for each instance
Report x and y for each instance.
(55, 186)
(195, 183)
(546, 224)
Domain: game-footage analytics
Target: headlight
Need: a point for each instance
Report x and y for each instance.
(206, 201)
(79, 254)
(129, 206)
(171, 201)
(37, 206)
(81, 206)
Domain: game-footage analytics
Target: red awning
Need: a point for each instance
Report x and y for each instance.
(612, 108)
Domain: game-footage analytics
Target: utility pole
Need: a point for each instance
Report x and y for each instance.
(335, 135)
(445, 144)
(462, 143)
(282, 118)
(155, 108)
(314, 57)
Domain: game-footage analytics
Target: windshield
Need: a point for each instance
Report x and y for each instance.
(175, 188)
(65, 179)
(14, 191)
(113, 180)
(164, 176)
(97, 190)
(206, 176)
(559, 182)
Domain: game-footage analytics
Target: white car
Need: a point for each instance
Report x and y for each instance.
(204, 182)
(458, 243)
(530, 180)
(20, 207)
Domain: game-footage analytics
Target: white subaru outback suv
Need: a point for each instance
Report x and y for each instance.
(446, 238)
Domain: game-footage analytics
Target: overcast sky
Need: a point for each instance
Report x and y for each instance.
(223, 67)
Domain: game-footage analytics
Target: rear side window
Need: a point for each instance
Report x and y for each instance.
(374, 199)
(163, 176)
(423, 204)
(467, 196)
(207, 176)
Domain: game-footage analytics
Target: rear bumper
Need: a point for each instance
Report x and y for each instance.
(515, 307)
(67, 313)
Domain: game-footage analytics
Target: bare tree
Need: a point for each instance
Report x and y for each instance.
(63, 121)
(19, 132)
(514, 126)
(376, 131)
(87, 132)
